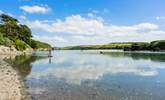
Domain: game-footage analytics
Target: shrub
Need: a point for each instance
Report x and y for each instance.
(21, 45)
(5, 41)
(140, 46)
(32, 43)
(42, 45)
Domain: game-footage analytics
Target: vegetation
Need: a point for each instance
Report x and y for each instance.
(42, 45)
(5, 41)
(158, 45)
(13, 33)
(23, 63)
(21, 45)
(127, 46)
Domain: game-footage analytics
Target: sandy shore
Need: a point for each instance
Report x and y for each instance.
(11, 84)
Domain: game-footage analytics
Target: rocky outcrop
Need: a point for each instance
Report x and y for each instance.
(12, 51)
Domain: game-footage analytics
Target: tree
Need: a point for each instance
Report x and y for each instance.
(25, 34)
(19, 35)
(9, 26)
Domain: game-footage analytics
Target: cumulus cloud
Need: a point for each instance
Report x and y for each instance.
(77, 24)
(51, 39)
(35, 9)
(94, 30)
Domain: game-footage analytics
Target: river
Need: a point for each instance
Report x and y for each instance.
(89, 75)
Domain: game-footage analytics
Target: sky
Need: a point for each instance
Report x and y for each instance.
(89, 22)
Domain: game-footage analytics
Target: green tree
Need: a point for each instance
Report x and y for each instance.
(9, 26)
(25, 34)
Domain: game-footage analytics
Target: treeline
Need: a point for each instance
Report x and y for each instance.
(15, 34)
(127, 46)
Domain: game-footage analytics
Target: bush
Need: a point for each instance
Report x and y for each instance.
(140, 46)
(42, 45)
(21, 45)
(5, 41)
(32, 43)
(158, 45)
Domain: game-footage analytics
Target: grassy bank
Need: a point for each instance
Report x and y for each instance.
(154, 45)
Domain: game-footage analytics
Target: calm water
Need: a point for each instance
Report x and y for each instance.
(88, 75)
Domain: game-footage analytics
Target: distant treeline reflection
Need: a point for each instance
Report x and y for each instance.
(138, 55)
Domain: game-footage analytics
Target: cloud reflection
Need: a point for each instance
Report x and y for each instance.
(93, 67)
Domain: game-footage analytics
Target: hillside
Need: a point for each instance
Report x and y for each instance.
(16, 35)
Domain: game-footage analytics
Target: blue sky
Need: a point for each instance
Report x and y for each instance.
(83, 22)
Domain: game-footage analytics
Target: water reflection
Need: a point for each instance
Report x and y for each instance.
(22, 63)
(154, 56)
(88, 75)
(77, 67)
(50, 60)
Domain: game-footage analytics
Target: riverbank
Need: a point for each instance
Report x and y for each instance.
(11, 85)
(12, 51)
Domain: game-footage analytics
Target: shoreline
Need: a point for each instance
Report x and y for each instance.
(12, 86)
(12, 51)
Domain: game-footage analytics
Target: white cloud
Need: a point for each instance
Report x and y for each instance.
(77, 24)
(51, 39)
(35, 9)
(39, 25)
(94, 30)
(22, 17)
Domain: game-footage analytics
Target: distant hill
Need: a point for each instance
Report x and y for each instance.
(154, 45)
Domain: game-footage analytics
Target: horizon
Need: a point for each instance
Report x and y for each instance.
(90, 22)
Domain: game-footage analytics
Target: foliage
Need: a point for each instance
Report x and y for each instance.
(158, 45)
(42, 45)
(37, 44)
(14, 33)
(9, 26)
(5, 41)
(21, 45)
(132, 46)
(140, 46)
(25, 33)
(33, 44)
